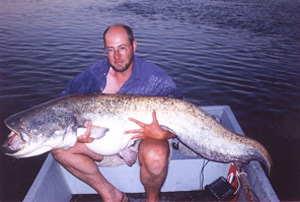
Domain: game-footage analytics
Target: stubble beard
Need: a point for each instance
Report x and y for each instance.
(125, 67)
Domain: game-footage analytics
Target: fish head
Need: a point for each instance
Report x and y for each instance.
(38, 130)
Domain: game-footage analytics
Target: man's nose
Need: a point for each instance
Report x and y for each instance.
(117, 54)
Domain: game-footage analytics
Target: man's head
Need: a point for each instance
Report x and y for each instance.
(125, 27)
(120, 46)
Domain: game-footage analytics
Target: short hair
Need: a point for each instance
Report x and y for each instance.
(127, 29)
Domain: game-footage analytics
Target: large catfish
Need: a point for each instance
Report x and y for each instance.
(54, 125)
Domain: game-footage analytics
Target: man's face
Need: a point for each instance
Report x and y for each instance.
(119, 49)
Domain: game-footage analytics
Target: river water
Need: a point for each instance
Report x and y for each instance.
(245, 54)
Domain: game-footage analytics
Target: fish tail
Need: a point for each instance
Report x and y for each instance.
(266, 161)
(263, 156)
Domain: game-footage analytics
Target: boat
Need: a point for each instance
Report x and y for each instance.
(186, 173)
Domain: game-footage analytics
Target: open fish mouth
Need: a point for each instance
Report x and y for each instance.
(12, 143)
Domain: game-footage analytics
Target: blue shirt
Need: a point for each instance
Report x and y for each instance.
(146, 79)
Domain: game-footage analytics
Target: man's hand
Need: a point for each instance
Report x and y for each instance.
(152, 130)
(86, 137)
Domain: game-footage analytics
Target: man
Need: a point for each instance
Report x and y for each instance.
(124, 73)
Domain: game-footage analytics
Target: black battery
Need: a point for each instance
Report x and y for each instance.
(221, 189)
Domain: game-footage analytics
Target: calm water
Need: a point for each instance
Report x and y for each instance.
(240, 53)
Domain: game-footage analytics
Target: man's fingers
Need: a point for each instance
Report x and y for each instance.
(85, 139)
(154, 116)
(139, 134)
(137, 122)
(133, 131)
(138, 137)
(88, 123)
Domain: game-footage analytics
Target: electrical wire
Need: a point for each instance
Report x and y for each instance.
(205, 162)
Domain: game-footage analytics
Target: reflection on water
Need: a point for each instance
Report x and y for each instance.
(237, 53)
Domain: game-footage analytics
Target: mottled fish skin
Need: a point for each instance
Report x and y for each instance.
(193, 126)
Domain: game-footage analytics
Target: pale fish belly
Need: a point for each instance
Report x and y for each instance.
(114, 140)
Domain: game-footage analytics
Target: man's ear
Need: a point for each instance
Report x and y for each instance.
(134, 45)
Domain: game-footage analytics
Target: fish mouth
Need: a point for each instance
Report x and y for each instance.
(12, 144)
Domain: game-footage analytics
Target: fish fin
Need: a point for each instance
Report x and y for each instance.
(98, 132)
(167, 128)
(129, 156)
